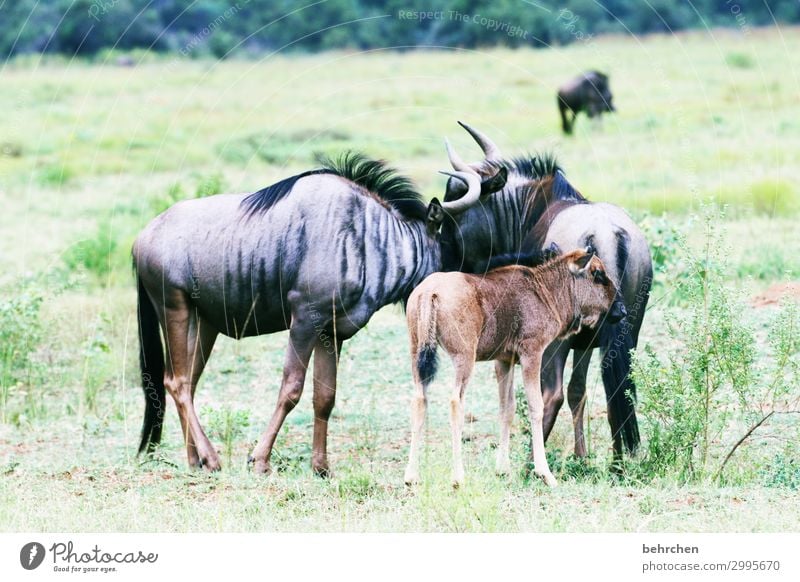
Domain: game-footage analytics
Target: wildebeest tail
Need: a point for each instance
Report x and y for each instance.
(616, 343)
(151, 362)
(427, 357)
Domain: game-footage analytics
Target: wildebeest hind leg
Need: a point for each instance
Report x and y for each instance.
(302, 339)
(464, 365)
(189, 344)
(576, 396)
(326, 359)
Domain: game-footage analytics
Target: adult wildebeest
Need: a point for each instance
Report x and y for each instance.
(317, 254)
(510, 314)
(588, 92)
(537, 207)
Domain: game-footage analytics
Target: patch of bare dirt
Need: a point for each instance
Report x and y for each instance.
(777, 293)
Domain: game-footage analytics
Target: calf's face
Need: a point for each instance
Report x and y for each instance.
(596, 294)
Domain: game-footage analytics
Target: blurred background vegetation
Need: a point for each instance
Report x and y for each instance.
(150, 113)
(203, 27)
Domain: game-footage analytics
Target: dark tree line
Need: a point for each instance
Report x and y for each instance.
(225, 27)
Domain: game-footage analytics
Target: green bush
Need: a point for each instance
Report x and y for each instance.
(770, 264)
(160, 203)
(773, 198)
(210, 185)
(96, 254)
(21, 333)
(739, 60)
(54, 175)
(358, 486)
(710, 384)
(228, 426)
(783, 472)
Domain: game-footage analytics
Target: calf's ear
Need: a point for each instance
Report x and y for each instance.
(579, 266)
(434, 217)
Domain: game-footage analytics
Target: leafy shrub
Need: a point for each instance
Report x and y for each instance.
(278, 148)
(228, 426)
(21, 332)
(783, 472)
(773, 198)
(95, 254)
(739, 60)
(711, 382)
(770, 264)
(174, 193)
(358, 486)
(670, 267)
(96, 348)
(54, 175)
(209, 186)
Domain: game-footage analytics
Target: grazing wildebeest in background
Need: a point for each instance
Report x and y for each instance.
(510, 314)
(537, 207)
(318, 254)
(588, 92)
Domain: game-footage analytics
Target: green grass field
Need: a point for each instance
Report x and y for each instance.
(90, 152)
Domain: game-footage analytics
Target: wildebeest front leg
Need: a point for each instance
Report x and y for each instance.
(301, 343)
(504, 371)
(576, 396)
(531, 359)
(326, 359)
(464, 366)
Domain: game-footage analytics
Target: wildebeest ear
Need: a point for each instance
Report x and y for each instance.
(434, 216)
(581, 264)
(495, 183)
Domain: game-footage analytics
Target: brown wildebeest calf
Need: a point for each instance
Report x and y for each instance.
(509, 315)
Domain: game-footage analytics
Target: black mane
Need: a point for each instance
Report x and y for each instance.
(380, 179)
(375, 176)
(540, 167)
(535, 166)
(261, 201)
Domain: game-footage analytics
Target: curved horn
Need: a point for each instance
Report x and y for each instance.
(490, 150)
(458, 164)
(473, 182)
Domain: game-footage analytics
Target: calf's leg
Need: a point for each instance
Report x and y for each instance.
(464, 365)
(504, 371)
(531, 369)
(419, 406)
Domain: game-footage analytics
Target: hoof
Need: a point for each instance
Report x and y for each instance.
(323, 472)
(259, 467)
(502, 468)
(457, 484)
(411, 479)
(209, 464)
(549, 479)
